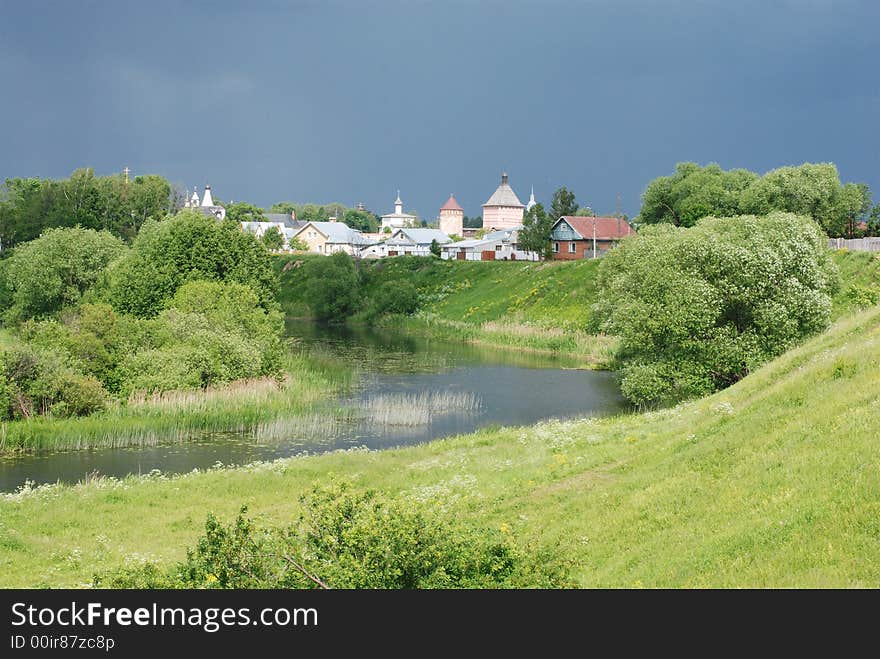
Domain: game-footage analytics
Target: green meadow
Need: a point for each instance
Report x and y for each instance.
(772, 482)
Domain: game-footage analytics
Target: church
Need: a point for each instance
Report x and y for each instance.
(398, 219)
(206, 206)
(504, 210)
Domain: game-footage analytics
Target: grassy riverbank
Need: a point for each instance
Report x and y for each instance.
(247, 406)
(524, 305)
(773, 482)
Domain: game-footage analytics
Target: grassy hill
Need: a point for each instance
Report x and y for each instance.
(555, 294)
(552, 294)
(773, 482)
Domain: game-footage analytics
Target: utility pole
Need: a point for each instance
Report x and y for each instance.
(594, 236)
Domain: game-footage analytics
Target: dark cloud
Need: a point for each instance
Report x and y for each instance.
(349, 101)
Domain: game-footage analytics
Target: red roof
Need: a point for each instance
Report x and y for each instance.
(607, 228)
(451, 205)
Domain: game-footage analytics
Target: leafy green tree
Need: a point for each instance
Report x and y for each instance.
(286, 207)
(111, 203)
(694, 192)
(874, 221)
(183, 248)
(563, 203)
(585, 211)
(331, 287)
(535, 234)
(242, 212)
(361, 220)
(55, 270)
(472, 222)
(298, 245)
(436, 250)
(697, 309)
(273, 239)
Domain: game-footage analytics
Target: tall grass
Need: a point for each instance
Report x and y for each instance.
(418, 409)
(180, 416)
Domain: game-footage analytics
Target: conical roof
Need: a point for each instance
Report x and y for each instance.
(504, 195)
(451, 205)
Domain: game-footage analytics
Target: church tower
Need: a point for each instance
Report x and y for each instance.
(452, 217)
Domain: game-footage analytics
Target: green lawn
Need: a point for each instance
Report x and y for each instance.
(773, 482)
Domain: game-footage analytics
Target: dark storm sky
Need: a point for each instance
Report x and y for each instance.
(349, 101)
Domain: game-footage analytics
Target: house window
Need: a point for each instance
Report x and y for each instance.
(556, 248)
(498, 248)
(320, 248)
(572, 248)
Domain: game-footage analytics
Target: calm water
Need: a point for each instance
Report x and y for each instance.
(410, 391)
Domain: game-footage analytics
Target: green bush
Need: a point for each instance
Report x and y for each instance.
(54, 270)
(184, 248)
(346, 539)
(330, 287)
(396, 297)
(697, 309)
(37, 382)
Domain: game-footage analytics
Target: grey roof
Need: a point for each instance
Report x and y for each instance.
(503, 235)
(338, 232)
(284, 218)
(504, 196)
(418, 237)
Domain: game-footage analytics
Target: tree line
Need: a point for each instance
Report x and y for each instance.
(29, 206)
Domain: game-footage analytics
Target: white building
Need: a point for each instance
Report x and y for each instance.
(494, 246)
(398, 219)
(206, 205)
(413, 242)
(332, 237)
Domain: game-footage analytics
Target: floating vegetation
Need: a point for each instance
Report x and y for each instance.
(418, 409)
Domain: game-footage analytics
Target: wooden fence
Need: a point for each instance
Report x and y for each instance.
(856, 244)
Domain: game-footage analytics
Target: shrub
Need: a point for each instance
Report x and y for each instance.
(400, 297)
(54, 271)
(35, 382)
(330, 287)
(697, 309)
(346, 539)
(187, 247)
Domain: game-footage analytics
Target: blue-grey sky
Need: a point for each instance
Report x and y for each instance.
(348, 101)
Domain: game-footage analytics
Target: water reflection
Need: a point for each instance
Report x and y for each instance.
(411, 390)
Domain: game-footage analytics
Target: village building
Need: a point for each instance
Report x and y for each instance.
(576, 237)
(414, 242)
(286, 223)
(206, 206)
(531, 201)
(398, 219)
(332, 237)
(504, 210)
(494, 246)
(452, 217)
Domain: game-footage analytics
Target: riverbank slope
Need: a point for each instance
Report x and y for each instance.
(774, 482)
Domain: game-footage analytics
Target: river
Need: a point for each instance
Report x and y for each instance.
(410, 390)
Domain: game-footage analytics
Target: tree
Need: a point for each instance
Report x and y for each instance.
(697, 309)
(585, 211)
(435, 248)
(242, 212)
(694, 192)
(188, 246)
(874, 221)
(55, 270)
(535, 234)
(111, 203)
(331, 287)
(298, 245)
(286, 207)
(273, 239)
(475, 222)
(563, 203)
